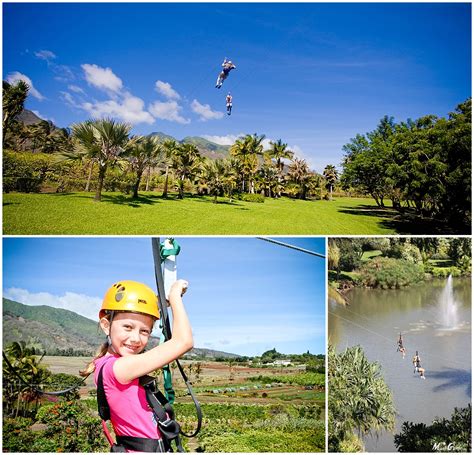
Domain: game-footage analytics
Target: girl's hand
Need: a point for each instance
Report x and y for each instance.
(179, 287)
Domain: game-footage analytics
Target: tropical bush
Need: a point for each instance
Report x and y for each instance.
(252, 197)
(406, 251)
(443, 435)
(68, 427)
(445, 272)
(359, 400)
(389, 273)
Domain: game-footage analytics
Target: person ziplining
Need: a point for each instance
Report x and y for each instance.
(400, 347)
(417, 365)
(416, 362)
(227, 67)
(228, 103)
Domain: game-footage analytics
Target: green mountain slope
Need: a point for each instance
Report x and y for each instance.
(49, 329)
(207, 148)
(63, 332)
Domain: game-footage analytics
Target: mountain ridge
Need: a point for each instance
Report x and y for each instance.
(57, 331)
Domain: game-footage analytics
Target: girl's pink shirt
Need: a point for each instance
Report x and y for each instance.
(129, 411)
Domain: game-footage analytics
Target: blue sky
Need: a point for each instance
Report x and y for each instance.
(311, 74)
(245, 295)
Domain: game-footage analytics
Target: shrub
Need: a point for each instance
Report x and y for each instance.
(406, 251)
(253, 198)
(445, 272)
(390, 273)
(72, 427)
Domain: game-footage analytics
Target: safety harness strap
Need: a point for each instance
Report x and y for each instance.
(141, 444)
(164, 414)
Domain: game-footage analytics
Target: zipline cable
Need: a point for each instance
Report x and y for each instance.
(391, 340)
(297, 248)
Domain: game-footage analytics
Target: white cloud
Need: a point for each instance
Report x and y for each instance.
(66, 96)
(45, 55)
(102, 78)
(14, 77)
(123, 105)
(223, 140)
(129, 109)
(84, 305)
(75, 89)
(165, 89)
(204, 111)
(169, 110)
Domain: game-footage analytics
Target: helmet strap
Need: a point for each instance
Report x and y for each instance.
(109, 340)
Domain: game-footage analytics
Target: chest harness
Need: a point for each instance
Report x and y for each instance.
(164, 414)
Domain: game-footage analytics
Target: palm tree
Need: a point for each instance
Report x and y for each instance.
(14, 96)
(330, 174)
(104, 140)
(298, 172)
(247, 149)
(43, 136)
(219, 177)
(359, 398)
(186, 164)
(170, 147)
(270, 179)
(279, 152)
(27, 365)
(140, 153)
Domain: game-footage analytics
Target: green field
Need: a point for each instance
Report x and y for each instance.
(245, 409)
(76, 214)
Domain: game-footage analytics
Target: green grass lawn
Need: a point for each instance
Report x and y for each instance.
(77, 213)
(367, 255)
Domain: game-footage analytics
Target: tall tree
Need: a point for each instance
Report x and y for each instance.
(14, 97)
(330, 174)
(216, 175)
(143, 152)
(27, 364)
(247, 149)
(186, 165)
(269, 179)
(103, 140)
(170, 147)
(298, 172)
(279, 152)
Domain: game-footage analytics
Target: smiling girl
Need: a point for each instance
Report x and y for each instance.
(129, 311)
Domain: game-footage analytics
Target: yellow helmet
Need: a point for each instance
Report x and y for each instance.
(130, 296)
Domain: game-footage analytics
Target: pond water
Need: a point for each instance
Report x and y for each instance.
(435, 320)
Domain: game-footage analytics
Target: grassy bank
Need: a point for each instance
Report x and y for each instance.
(76, 214)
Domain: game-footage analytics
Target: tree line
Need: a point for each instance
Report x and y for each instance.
(395, 262)
(421, 165)
(105, 152)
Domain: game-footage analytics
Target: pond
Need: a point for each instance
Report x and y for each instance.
(435, 320)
